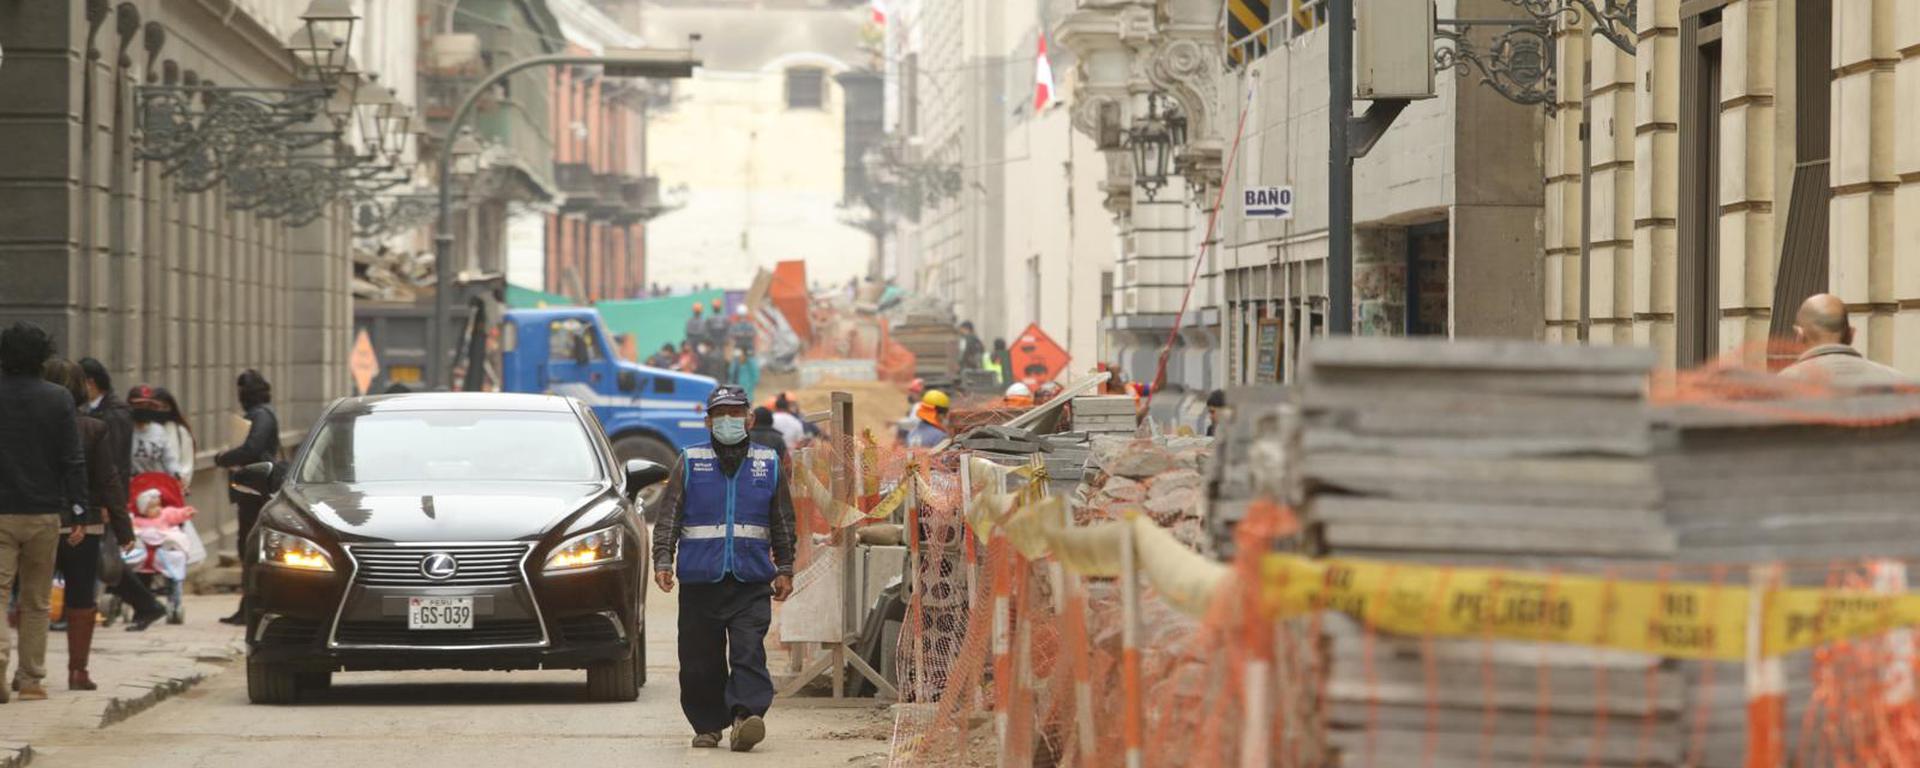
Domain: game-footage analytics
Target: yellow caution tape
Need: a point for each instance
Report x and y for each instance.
(1799, 619)
(1668, 619)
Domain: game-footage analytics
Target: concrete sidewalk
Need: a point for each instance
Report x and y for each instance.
(134, 670)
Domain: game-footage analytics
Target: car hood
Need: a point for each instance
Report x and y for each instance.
(434, 512)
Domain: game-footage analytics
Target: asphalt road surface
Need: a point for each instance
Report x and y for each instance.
(464, 720)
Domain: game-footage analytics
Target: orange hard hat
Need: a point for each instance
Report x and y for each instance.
(697, 307)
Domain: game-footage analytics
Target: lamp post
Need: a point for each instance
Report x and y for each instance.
(664, 64)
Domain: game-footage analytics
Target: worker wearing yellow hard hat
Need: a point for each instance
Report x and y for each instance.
(931, 417)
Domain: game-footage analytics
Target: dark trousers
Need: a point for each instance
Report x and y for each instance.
(79, 565)
(723, 653)
(133, 591)
(247, 509)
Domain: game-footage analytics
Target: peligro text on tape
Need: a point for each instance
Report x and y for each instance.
(1668, 619)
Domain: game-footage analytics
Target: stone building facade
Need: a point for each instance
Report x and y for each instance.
(166, 287)
(1027, 240)
(1745, 154)
(1447, 208)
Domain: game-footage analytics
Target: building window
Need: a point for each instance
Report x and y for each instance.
(806, 88)
(1697, 303)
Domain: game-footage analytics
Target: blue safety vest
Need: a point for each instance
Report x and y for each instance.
(925, 435)
(725, 525)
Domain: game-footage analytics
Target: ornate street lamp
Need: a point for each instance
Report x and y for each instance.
(1151, 140)
(319, 61)
(465, 153)
(328, 25)
(373, 110)
(397, 131)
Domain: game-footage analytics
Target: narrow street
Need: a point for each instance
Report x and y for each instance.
(460, 719)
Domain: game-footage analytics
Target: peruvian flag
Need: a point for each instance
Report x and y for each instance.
(1042, 77)
(879, 12)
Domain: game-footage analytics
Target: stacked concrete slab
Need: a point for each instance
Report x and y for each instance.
(1501, 454)
(1781, 477)
(1105, 414)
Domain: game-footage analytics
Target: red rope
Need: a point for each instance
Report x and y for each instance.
(1213, 218)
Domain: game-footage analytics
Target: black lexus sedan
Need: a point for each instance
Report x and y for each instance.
(470, 531)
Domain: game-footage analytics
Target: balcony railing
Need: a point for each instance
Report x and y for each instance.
(577, 183)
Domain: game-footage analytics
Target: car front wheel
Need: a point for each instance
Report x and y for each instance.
(618, 680)
(272, 683)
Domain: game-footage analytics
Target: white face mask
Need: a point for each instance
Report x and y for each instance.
(730, 430)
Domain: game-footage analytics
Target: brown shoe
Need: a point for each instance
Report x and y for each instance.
(747, 732)
(33, 692)
(707, 740)
(80, 628)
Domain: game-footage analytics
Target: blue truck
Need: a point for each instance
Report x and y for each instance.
(648, 413)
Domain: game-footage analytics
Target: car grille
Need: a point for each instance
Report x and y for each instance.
(502, 632)
(480, 565)
(592, 628)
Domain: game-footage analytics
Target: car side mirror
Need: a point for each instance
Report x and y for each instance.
(641, 474)
(628, 381)
(257, 479)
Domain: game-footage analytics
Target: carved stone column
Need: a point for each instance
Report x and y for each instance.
(1185, 63)
(1103, 35)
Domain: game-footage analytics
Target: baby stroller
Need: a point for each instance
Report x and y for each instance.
(160, 556)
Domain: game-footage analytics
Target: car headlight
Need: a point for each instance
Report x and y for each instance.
(587, 550)
(285, 550)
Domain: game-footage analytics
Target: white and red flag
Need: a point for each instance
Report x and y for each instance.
(1042, 77)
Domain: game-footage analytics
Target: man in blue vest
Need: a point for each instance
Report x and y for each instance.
(727, 512)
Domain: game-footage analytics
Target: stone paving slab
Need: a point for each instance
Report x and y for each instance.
(135, 671)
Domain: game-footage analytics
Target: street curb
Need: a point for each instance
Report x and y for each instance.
(136, 697)
(14, 754)
(132, 698)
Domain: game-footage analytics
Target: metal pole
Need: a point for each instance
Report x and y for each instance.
(437, 363)
(1586, 205)
(1339, 168)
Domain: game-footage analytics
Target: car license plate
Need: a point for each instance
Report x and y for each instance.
(440, 613)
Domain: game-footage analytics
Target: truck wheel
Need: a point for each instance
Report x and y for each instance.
(649, 449)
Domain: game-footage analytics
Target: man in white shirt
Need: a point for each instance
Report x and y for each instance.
(791, 428)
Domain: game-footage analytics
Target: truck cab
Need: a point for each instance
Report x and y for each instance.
(647, 413)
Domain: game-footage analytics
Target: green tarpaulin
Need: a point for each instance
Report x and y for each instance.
(654, 322)
(528, 298)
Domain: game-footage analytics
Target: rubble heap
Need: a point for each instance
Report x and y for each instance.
(1159, 476)
(388, 275)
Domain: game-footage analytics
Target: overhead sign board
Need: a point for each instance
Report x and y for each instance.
(1268, 203)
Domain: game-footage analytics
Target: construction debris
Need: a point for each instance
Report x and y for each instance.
(1105, 414)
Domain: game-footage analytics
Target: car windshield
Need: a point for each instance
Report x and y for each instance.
(387, 446)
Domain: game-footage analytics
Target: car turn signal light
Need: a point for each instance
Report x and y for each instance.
(588, 550)
(285, 550)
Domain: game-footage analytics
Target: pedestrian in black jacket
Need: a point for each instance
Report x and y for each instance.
(43, 483)
(262, 444)
(79, 556)
(102, 404)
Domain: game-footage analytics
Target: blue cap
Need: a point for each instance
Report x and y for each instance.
(726, 394)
